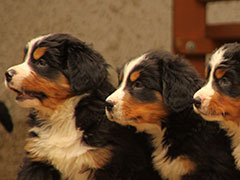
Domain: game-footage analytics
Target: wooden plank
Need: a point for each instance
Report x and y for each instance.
(194, 46)
(189, 25)
(223, 31)
(206, 1)
(192, 38)
(189, 18)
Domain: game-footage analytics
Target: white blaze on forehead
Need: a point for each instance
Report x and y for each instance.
(118, 94)
(31, 44)
(216, 59)
(130, 66)
(23, 70)
(207, 91)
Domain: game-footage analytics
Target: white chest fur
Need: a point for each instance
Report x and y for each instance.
(59, 143)
(172, 169)
(233, 131)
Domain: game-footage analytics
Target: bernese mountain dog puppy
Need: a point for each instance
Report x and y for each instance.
(219, 99)
(155, 96)
(5, 117)
(65, 82)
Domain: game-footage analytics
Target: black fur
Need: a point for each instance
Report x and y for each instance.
(5, 117)
(187, 134)
(86, 72)
(229, 83)
(38, 171)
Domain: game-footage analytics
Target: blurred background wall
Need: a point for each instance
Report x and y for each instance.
(118, 30)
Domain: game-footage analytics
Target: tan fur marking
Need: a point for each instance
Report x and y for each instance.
(23, 56)
(137, 112)
(39, 52)
(226, 106)
(120, 76)
(134, 76)
(187, 163)
(59, 143)
(100, 156)
(96, 158)
(206, 72)
(168, 168)
(57, 91)
(220, 73)
(233, 131)
(92, 159)
(182, 166)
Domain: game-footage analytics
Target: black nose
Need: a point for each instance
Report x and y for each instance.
(9, 74)
(109, 105)
(197, 102)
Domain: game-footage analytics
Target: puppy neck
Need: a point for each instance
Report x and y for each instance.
(233, 131)
(68, 105)
(168, 167)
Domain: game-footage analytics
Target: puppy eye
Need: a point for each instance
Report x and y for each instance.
(137, 84)
(41, 63)
(224, 82)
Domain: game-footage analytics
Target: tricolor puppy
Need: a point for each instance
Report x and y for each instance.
(65, 82)
(155, 95)
(219, 99)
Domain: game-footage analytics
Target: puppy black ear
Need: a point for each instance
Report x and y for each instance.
(5, 117)
(86, 68)
(179, 83)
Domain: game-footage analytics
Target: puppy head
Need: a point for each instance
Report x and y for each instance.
(55, 67)
(219, 98)
(150, 88)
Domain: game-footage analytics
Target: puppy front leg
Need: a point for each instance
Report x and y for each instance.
(38, 171)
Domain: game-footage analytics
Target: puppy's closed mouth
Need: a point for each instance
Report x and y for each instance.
(25, 94)
(212, 114)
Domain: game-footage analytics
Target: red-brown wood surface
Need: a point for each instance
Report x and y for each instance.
(189, 20)
(223, 31)
(212, 0)
(194, 46)
(193, 38)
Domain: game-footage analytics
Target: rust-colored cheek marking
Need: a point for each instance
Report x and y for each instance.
(220, 73)
(226, 106)
(39, 52)
(134, 76)
(140, 112)
(56, 90)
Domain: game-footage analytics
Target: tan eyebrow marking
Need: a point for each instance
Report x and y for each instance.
(220, 73)
(39, 52)
(134, 76)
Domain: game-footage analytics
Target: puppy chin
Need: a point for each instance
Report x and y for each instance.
(29, 103)
(196, 109)
(212, 117)
(207, 116)
(109, 115)
(112, 117)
